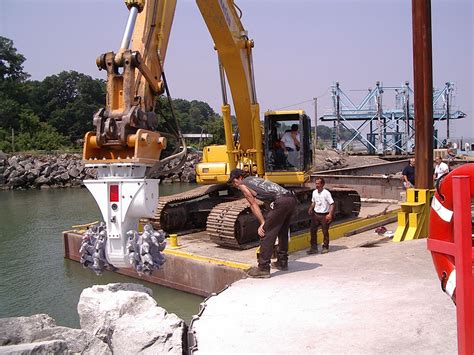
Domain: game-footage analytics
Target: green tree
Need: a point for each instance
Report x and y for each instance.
(215, 126)
(324, 132)
(68, 101)
(12, 84)
(32, 135)
(11, 62)
(347, 133)
(56, 112)
(9, 109)
(193, 117)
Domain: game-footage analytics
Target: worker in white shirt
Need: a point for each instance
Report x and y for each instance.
(290, 142)
(321, 212)
(441, 168)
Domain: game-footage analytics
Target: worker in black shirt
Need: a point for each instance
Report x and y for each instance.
(274, 225)
(408, 174)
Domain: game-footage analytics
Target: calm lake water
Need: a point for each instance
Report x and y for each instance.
(34, 276)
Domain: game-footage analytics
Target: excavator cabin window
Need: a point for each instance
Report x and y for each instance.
(287, 141)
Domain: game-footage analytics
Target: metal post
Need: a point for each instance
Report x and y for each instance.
(338, 110)
(315, 123)
(372, 138)
(379, 117)
(423, 75)
(447, 110)
(463, 259)
(407, 115)
(397, 135)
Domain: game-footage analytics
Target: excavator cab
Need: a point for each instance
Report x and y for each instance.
(287, 147)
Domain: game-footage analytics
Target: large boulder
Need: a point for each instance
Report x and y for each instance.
(42, 180)
(115, 319)
(23, 329)
(73, 171)
(128, 320)
(44, 347)
(76, 339)
(41, 330)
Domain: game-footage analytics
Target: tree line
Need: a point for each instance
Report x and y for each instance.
(56, 112)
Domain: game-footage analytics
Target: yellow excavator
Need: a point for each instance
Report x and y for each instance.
(222, 211)
(125, 147)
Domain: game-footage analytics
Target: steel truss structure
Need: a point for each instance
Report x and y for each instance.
(389, 130)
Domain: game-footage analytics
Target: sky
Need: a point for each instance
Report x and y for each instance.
(302, 47)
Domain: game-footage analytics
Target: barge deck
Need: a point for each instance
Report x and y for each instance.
(201, 267)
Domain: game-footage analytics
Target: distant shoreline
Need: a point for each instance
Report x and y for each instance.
(26, 171)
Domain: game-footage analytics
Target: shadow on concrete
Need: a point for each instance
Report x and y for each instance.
(333, 248)
(370, 246)
(295, 266)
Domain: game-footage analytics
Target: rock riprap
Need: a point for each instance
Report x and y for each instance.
(27, 171)
(114, 318)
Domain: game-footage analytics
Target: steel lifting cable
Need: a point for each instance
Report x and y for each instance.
(175, 132)
(157, 169)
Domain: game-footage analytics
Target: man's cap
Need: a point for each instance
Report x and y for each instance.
(235, 174)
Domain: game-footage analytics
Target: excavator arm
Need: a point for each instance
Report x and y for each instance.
(125, 144)
(134, 80)
(234, 50)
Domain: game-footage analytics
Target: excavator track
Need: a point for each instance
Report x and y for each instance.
(177, 213)
(227, 217)
(232, 224)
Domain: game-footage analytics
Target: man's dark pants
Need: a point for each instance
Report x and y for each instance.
(276, 226)
(319, 219)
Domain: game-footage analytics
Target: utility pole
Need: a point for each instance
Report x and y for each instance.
(423, 75)
(315, 123)
(406, 109)
(448, 103)
(379, 118)
(338, 110)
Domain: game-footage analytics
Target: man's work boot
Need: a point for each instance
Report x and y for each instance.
(280, 265)
(258, 273)
(325, 250)
(312, 251)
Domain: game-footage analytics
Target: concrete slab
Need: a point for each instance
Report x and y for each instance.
(380, 299)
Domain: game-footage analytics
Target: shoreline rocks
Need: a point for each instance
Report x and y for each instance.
(27, 171)
(114, 318)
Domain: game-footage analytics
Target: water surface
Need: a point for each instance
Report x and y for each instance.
(35, 277)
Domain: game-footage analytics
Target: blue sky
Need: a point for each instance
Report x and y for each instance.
(301, 47)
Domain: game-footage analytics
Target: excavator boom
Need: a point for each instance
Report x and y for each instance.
(234, 50)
